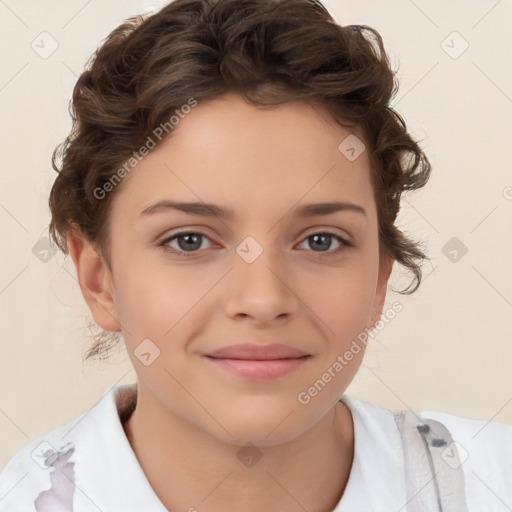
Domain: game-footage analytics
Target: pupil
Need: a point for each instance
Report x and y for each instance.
(188, 246)
(317, 237)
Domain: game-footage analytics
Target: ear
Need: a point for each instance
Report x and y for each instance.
(95, 280)
(380, 295)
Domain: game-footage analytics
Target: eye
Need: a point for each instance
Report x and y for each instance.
(190, 242)
(323, 240)
(187, 241)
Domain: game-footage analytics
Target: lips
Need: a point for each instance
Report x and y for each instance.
(258, 362)
(254, 352)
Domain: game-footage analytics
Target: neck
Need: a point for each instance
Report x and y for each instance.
(189, 469)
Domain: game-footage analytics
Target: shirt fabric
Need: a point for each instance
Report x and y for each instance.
(88, 465)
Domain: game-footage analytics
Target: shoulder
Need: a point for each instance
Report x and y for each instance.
(479, 436)
(27, 473)
(43, 471)
(485, 451)
(484, 447)
(488, 442)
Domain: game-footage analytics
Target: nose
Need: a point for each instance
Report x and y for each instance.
(263, 289)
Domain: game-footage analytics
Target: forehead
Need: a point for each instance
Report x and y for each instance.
(252, 159)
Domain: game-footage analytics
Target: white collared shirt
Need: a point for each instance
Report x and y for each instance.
(88, 465)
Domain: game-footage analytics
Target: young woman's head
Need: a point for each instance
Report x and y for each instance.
(273, 124)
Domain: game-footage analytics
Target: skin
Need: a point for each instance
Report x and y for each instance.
(192, 418)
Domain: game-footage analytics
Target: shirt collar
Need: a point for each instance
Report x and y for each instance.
(376, 480)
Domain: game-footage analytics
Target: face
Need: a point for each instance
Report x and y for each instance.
(192, 283)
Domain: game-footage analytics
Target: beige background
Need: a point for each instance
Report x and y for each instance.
(448, 350)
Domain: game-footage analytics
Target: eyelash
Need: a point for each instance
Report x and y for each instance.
(345, 244)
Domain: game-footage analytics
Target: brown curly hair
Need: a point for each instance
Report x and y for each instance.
(268, 51)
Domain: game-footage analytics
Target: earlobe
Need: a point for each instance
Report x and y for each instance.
(380, 295)
(94, 279)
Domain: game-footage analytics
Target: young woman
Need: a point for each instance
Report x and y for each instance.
(228, 196)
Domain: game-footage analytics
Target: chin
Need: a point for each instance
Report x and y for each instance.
(269, 429)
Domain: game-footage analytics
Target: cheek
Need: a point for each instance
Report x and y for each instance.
(344, 315)
(152, 298)
(343, 297)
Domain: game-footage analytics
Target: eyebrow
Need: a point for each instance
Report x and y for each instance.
(212, 210)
